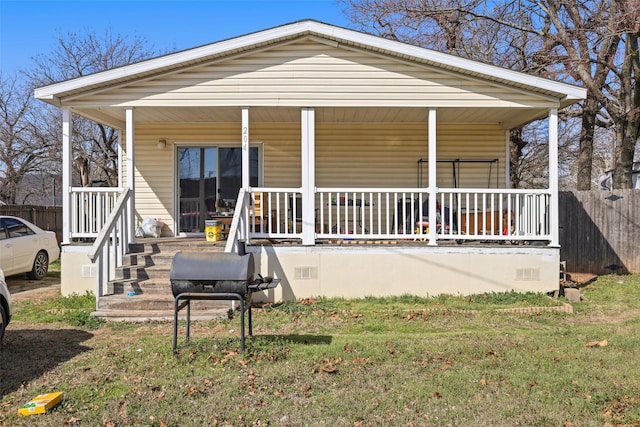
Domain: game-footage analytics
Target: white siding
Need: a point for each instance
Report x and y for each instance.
(347, 155)
(307, 72)
(386, 155)
(155, 169)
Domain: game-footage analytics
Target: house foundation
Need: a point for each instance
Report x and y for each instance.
(352, 271)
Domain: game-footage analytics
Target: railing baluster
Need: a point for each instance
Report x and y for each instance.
(461, 213)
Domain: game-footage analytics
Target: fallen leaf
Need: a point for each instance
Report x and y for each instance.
(483, 381)
(602, 343)
(437, 395)
(329, 369)
(72, 420)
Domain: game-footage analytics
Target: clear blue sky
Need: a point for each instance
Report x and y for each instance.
(29, 27)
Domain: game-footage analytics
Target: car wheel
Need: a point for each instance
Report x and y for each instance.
(3, 322)
(40, 266)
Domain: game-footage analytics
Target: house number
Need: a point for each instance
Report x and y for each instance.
(245, 137)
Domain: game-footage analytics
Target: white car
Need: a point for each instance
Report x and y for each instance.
(5, 306)
(26, 248)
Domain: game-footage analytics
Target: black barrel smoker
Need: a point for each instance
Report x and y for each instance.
(215, 276)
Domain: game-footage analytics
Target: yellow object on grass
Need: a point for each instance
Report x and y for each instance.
(41, 404)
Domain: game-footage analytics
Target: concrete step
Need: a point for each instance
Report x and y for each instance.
(139, 273)
(127, 305)
(148, 259)
(157, 315)
(174, 244)
(158, 285)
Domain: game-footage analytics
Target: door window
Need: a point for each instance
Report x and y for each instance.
(209, 181)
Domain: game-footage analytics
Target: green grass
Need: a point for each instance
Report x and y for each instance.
(74, 310)
(369, 362)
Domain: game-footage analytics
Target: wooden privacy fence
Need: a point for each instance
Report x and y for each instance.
(45, 217)
(600, 231)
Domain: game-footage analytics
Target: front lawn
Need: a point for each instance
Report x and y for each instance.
(370, 362)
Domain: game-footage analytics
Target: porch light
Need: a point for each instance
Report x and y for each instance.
(162, 144)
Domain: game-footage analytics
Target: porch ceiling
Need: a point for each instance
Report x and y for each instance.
(507, 117)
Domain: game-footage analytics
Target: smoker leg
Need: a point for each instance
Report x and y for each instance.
(188, 320)
(175, 326)
(242, 324)
(187, 297)
(250, 322)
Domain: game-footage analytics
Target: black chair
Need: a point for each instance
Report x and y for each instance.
(424, 220)
(295, 214)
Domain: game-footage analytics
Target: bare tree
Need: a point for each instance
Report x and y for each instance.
(595, 43)
(26, 143)
(580, 41)
(75, 55)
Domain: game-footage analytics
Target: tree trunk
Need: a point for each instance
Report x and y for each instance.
(627, 123)
(516, 146)
(83, 167)
(585, 155)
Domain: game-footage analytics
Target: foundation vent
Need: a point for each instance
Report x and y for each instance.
(88, 270)
(305, 273)
(528, 274)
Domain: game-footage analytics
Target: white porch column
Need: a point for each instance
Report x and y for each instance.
(120, 168)
(67, 167)
(246, 171)
(308, 176)
(245, 149)
(130, 160)
(507, 156)
(433, 189)
(553, 176)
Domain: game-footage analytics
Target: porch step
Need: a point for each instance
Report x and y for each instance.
(174, 244)
(157, 315)
(153, 302)
(155, 286)
(145, 272)
(142, 288)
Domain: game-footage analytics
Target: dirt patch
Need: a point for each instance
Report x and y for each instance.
(580, 279)
(22, 288)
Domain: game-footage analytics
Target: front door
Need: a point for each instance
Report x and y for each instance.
(209, 181)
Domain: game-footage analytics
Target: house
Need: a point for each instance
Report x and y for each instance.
(322, 147)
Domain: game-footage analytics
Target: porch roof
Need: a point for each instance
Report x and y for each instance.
(70, 92)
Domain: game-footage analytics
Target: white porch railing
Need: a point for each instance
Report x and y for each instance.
(402, 213)
(111, 243)
(493, 214)
(275, 213)
(90, 207)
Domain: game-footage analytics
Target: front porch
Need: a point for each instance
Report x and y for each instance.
(366, 242)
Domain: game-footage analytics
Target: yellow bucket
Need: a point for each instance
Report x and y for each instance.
(213, 230)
